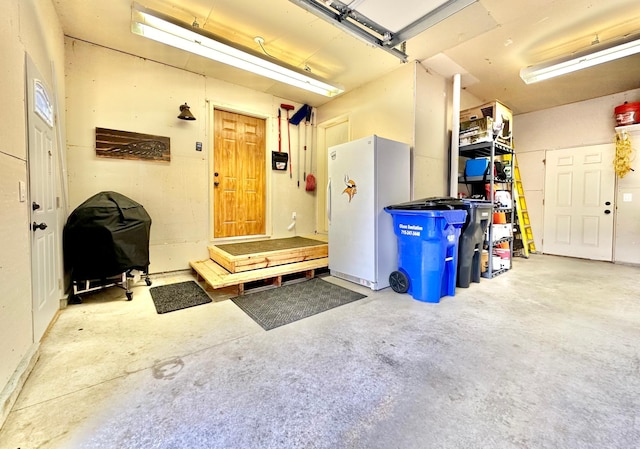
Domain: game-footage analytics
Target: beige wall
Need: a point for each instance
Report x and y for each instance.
(585, 123)
(432, 134)
(383, 107)
(408, 105)
(411, 105)
(26, 27)
(627, 238)
(114, 90)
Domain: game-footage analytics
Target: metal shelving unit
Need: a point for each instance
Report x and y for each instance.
(491, 150)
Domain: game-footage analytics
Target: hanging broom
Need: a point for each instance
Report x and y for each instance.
(311, 180)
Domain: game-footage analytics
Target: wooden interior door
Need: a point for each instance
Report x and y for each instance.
(239, 175)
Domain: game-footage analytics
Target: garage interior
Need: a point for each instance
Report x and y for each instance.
(542, 356)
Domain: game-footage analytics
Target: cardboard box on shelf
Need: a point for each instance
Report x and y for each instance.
(484, 260)
(498, 112)
(477, 130)
(501, 231)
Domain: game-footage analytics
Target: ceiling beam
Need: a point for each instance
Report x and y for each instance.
(372, 33)
(352, 22)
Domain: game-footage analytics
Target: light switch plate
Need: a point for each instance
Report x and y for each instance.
(627, 197)
(22, 189)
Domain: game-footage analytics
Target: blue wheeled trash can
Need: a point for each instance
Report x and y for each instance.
(427, 233)
(471, 240)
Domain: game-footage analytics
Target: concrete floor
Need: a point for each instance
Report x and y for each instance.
(545, 356)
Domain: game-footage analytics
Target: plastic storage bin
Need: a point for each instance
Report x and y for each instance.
(471, 241)
(427, 232)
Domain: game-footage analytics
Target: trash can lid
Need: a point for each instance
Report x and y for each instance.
(477, 203)
(431, 203)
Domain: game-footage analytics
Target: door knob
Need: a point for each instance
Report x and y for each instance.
(216, 183)
(215, 174)
(607, 211)
(35, 206)
(41, 226)
(608, 203)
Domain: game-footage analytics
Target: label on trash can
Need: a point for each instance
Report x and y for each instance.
(411, 230)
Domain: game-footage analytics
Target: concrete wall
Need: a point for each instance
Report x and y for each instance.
(585, 123)
(114, 90)
(26, 27)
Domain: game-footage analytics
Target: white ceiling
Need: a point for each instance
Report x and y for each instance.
(488, 42)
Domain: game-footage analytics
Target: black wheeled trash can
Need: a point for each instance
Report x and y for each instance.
(471, 240)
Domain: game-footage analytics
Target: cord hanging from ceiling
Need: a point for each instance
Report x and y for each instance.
(260, 41)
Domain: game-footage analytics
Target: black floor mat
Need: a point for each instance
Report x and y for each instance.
(283, 305)
(182, 295)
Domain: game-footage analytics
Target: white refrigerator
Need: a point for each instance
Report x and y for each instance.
(365, 175)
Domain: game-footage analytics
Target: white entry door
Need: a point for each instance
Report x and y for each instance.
(333, 133)
(42, 187)
(579, 202)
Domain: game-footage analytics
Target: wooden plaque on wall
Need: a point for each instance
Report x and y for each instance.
(128, 145)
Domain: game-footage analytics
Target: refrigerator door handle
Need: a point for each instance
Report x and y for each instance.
(329, 201)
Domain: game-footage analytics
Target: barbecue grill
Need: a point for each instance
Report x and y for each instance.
(104, 240)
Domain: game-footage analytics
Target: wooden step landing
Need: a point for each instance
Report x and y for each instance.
(240, 257)
(217, 276)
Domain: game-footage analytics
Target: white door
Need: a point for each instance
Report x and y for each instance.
(579, 202)
(42, 187)
(330, 134)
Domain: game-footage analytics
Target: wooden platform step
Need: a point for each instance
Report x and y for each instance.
(217, 276)
(267, 253)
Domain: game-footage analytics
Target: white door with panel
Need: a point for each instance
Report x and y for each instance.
(330, 134)
(42, 188)
(579, 202)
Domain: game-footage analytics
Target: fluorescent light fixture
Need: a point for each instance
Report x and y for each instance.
(597, 54)
(164, 29)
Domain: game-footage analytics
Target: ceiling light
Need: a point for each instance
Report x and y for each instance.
(164, 29)
(597, 54)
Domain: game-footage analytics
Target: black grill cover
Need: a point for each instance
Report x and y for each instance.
(105, 236)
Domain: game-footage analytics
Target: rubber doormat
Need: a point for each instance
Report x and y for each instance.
(171, 297)
(283, 305)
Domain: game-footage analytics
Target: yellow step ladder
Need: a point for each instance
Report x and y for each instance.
(524, 224)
